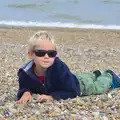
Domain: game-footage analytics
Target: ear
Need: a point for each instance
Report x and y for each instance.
(30, 55)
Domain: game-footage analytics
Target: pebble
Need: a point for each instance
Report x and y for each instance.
(94, 107)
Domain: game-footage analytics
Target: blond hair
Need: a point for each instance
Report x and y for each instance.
(39, 36)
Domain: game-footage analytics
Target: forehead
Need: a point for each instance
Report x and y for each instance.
(45, 45)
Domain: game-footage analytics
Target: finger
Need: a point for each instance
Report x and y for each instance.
(48, 101)
(30, 100)
(25, 100)
(39, 98)
(20, 101)
(43, 100)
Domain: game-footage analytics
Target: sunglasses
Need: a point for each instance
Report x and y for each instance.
(42, 53)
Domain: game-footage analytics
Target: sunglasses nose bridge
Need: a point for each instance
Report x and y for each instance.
(46, 54)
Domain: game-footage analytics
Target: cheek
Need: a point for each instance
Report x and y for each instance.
(37, 60)
(40, 60)
(52, 60)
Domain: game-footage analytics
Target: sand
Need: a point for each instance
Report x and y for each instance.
(77, 40)
(83, 50)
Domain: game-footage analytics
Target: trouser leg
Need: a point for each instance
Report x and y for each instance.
(87, 83)
(92, 84)
(103, 83)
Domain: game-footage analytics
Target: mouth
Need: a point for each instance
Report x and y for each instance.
(45, 62)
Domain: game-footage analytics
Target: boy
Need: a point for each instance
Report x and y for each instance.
(45, 74)
(48, 76)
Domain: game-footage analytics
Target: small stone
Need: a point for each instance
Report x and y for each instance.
(74, 116)
(81, 59)
(110, 95)
(105, 118)
(2, 103)
(53, 114)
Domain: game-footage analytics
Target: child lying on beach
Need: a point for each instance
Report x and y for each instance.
(49, 77)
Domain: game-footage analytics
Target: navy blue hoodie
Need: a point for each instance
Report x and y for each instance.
(60, 83)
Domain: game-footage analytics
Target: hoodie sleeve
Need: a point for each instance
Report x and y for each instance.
(63, 94)
(67, 85)
(23, 84)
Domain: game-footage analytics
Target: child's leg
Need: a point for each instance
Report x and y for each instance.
(92, 84)
(87, 83)
(103, 83)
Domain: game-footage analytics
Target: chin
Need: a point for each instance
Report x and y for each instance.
(46, 66)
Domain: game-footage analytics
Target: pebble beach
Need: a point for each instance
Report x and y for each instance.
(83, 50)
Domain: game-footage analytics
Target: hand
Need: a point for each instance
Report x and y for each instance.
(45, 98)
(27, 97)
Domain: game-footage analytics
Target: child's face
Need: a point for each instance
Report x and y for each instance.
(45, 60)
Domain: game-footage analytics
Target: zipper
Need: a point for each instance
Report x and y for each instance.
(45, 85)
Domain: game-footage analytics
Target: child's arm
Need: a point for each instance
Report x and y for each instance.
(66, 84)
(64, 94)
(26, 97)
(24, 85)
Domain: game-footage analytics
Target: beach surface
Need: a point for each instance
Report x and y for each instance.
(83, 50)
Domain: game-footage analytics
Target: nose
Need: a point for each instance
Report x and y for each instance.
(46, 55)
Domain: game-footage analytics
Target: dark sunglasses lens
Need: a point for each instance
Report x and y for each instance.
(52, 53)
(40, 53)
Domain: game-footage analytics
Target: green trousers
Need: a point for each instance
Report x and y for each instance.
(90, 84)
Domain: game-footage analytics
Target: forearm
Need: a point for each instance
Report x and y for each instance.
(21, 92)
(26, 97)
